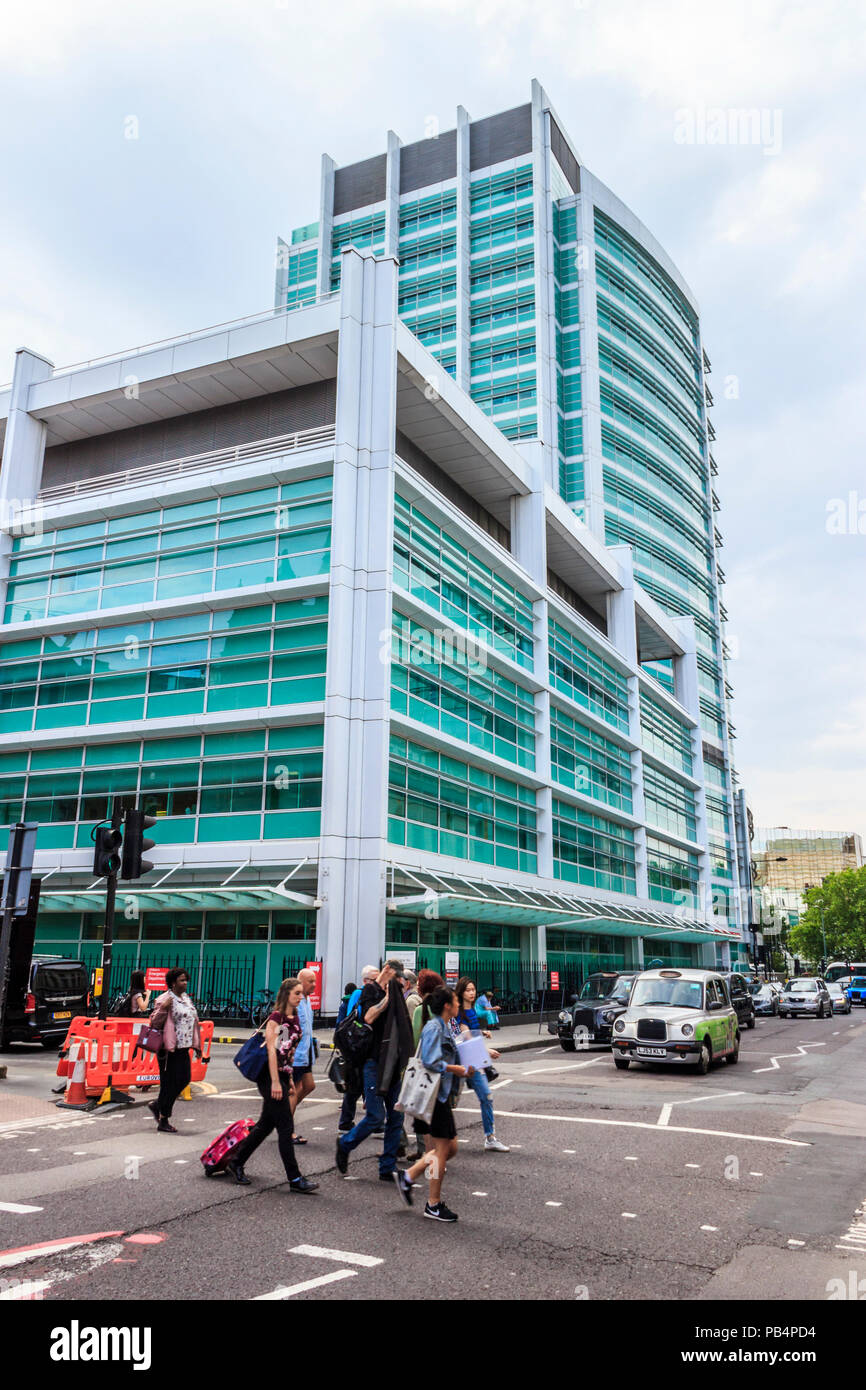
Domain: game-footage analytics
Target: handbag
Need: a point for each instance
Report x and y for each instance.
(418, 1091)
(252, 1058)
(151, 1039)
(335, 1071)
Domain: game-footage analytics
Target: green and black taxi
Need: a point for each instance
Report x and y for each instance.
(681, 1017)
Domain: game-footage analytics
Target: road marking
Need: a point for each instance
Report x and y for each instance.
(709, 1228)
(29, 1289)
(33, 1151)
(693, 1100)
(479, 1194)
(756, 1175)
(541, 1050)
(17, 1209)
(569, 1066)
(569, 1151)
(181, 1160)
(553, 1204)
(497, 1085)
(22, 1253)
(693, 1165)
(630, 1215)
(631, 1158)
(774, 1061)
(345, 1257)
(293, 1289)
(642, 1124)
(836, 1032)
(796, 1242)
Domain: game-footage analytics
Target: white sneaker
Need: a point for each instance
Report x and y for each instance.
(491, 1142)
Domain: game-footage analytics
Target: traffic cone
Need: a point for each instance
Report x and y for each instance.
(76, 1090)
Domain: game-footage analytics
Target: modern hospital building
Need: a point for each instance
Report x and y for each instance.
(398, 606)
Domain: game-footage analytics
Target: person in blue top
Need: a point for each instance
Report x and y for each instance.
(307, 1048)
(438, 1051)
(468, 1024)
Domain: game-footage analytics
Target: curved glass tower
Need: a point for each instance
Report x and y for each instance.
(559, 313)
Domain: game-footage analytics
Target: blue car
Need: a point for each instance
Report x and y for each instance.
(857, 990)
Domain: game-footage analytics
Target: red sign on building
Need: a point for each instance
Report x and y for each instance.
(154, 976)
(554, 979)
(316, 997)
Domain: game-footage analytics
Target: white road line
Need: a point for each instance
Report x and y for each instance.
(774, 1061)
(756, 1175)
(693, 1100)
(292, 1289)
(553, 1204)
(343, 1257)
(17, 1209)
(709, 1228)
(497, 1085)
(10, 1258)
(630, 1215)
(641, 1124)
(569, 1151)
(569, 1066)
(796, 1242)
(693, 1165)
(541, 1050)
(631, 1158)
(29, 1289)
(479, 1194)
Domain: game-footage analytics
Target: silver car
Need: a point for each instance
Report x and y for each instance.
(841, 1002)
(805, 995)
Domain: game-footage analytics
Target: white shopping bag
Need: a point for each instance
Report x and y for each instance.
(419, 1090)
(473, 1053)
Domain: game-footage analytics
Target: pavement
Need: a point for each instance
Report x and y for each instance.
(746, 1184)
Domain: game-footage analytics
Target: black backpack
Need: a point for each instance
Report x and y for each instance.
(353, 1038)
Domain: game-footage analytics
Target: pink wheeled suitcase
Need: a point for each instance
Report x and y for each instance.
(215, 1155)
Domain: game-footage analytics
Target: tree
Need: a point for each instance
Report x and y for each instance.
(835, 917)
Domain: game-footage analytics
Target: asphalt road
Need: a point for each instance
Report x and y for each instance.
(643, 1184)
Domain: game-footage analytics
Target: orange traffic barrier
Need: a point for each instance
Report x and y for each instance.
(112, 1058)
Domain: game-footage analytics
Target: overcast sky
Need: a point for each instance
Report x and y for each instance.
(107, 242)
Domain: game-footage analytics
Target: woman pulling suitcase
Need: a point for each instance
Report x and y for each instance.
(282, 1035)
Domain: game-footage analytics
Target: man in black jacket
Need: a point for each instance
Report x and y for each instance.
(384, 1009)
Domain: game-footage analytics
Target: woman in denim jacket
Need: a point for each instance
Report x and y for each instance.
(438, 1052)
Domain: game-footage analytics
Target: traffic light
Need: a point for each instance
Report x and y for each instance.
(106, 855)
(135, 843)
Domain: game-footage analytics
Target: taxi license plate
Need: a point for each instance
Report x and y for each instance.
(651, 1052)
(67, 1013)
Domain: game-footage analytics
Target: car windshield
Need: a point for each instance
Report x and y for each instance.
(680, 994)
(801, 987)
(858, 982)
(761, 991)
(834, 989)
(598, 987)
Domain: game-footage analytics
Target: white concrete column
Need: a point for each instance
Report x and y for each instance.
(529, 548)
(353, 844)
(464, 210)
(687, 692)
(587, 292)
(622, 632)
(545, 288)
(326, 226)
(392, 195)
(23, 454)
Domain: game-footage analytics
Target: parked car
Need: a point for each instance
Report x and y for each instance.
(805, 994)
(589, 1018)
(765, 998)
(741, 997)
(680, 1017)
(857, 989)
(841, 1002)
(42, 1004)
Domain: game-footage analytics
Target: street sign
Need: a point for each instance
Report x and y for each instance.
(97, 981)
(316, 997)
(407, 958)
(554, 979)
(154, 976)
(452, 968)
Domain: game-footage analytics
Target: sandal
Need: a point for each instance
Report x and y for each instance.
(296, 1139)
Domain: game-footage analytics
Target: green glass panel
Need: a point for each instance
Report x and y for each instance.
(125, 594)
(237, 672)
(302, 635)
(228, 618)
(191, 511)
(163, 748)
(245, 576)
(60, 716)
(120, 525)
(237, 697)
(178, 586)
(57, 837)
(212, 828)
(292, 825)
(115, 711)
(304, 566)
(242, 741)
(241, 643)
(308, 688)
(175, 702)
(296, 736)
(241, 501)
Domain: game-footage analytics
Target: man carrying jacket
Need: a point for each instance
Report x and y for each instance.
(383, 1008)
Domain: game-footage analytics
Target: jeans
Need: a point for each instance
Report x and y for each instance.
(377, 1109)
(276, 1115)
(481, 1086)
(174, 1074)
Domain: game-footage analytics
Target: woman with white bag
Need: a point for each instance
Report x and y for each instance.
(438, 1053)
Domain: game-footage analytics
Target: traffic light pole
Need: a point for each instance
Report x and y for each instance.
(108, 927)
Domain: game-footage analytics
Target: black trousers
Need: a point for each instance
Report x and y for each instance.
(276, 1115)
(174, 1074)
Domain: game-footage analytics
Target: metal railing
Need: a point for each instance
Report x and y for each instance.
(191, 463)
